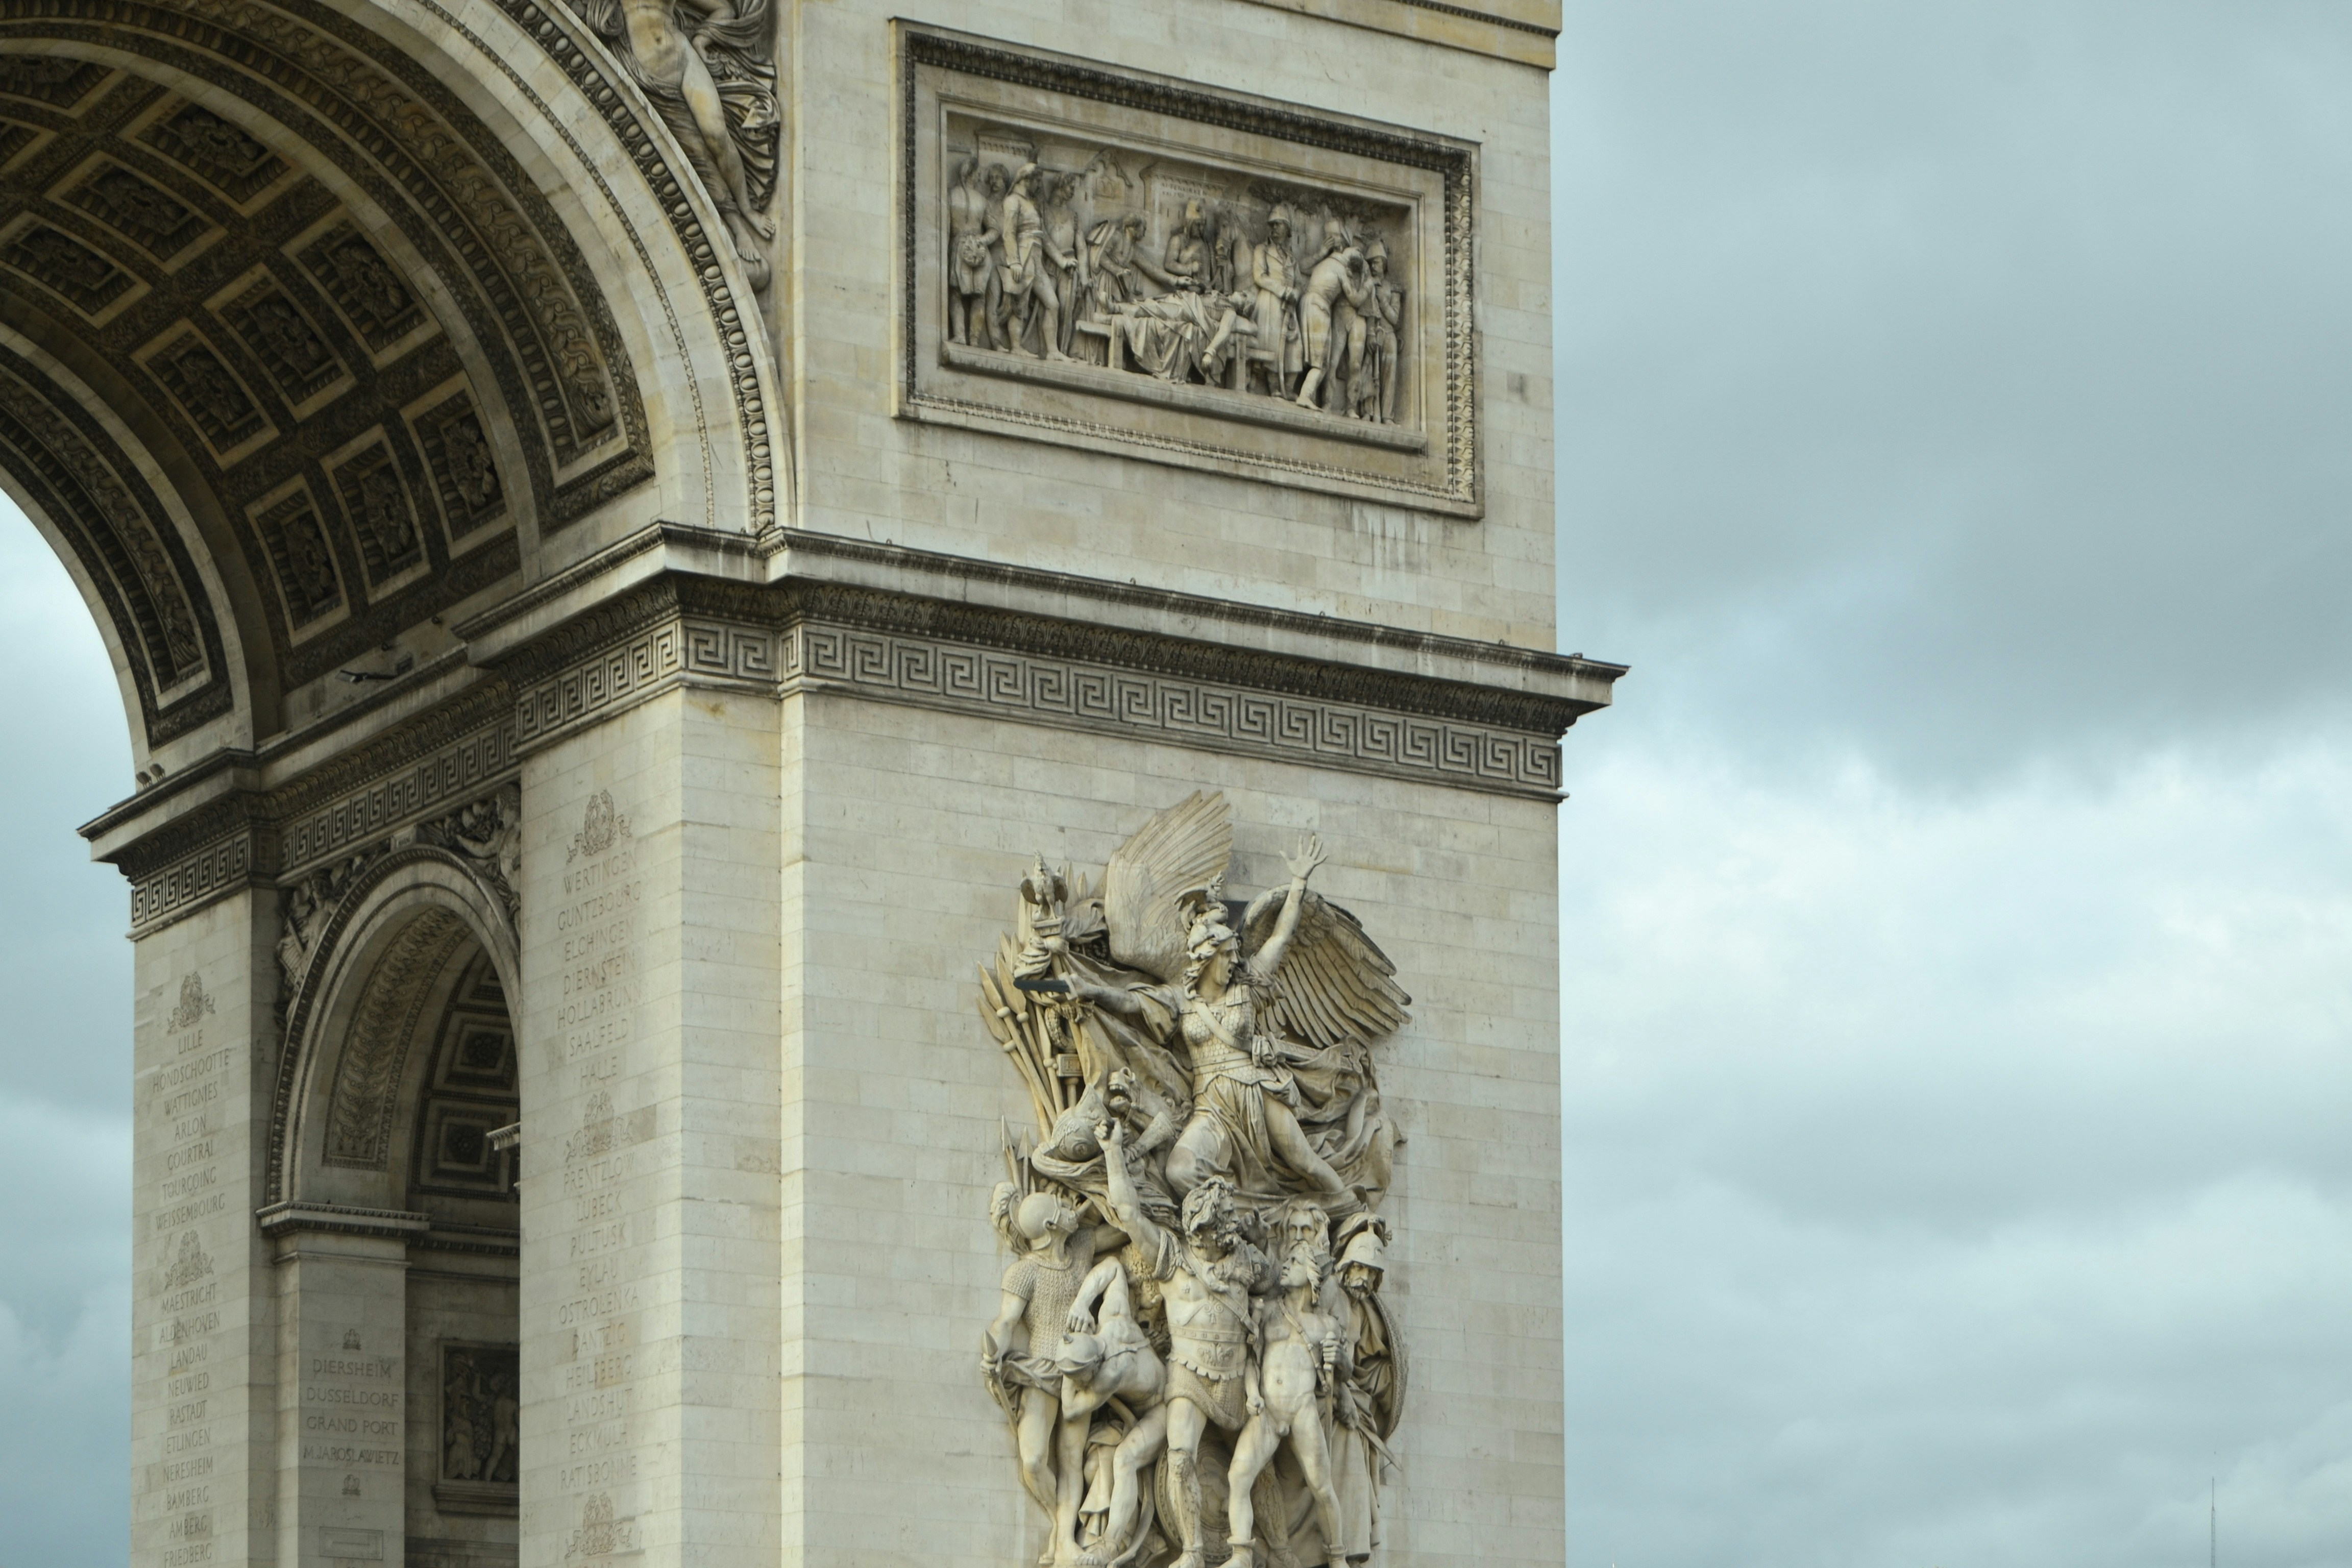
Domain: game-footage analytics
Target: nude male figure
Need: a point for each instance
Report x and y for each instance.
(1302, 1360)
(1206, 1276)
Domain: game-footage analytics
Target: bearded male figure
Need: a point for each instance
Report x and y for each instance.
(1206, 1279)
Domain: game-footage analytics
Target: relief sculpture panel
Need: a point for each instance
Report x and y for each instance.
(1191, 1348)
(1133, 264)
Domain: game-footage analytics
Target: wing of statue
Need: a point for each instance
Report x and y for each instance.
(1180, 850)
(1334, 984)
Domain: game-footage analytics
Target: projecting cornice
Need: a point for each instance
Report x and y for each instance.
(806, 614)
(818, 614)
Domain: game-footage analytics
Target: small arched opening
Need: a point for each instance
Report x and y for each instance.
(394, 1234)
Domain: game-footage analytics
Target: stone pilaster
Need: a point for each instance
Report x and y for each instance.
(650, 1079)
(342, 1405)
(201, 1373)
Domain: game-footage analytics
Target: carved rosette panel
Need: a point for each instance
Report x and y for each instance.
(1133, 264)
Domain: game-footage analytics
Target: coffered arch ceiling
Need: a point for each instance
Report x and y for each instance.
(295, 356)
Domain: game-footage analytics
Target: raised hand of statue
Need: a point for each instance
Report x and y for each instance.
(1303, 864)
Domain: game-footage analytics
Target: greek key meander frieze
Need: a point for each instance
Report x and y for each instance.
(1129, 263)
(357, 806)
(1055, 690)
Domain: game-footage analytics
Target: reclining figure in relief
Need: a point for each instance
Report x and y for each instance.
(1208, 1115)
(1265, 290)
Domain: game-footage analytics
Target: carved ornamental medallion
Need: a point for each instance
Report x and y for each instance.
(1192, 1351)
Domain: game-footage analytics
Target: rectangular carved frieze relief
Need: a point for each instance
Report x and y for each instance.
(1130, 264)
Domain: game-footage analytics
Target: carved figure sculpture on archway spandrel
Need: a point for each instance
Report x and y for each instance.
(709, 67)
(1191, 1346)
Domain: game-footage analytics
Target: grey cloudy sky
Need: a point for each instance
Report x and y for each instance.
(1952, 410)
(1953, 403)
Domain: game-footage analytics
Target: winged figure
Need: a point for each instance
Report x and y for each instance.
(1203, 1076)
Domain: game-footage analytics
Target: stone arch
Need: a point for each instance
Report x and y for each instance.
(402, 945)
(323, 328)
(387, 1184)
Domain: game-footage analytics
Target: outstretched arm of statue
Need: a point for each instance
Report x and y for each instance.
(1109, 998)
(1268, 959)
(1123, 1201)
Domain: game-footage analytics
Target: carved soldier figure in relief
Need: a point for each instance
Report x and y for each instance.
(1116, 269)
(1276, 272)
(972, 262)
(1027, 291)
(1063, 251)
(1019, 1353)
(1373, 1392)
(1373, 393)
(1339, 282)
(1203, 1086)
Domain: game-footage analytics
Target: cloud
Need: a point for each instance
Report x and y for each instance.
(1961, 382)
(65, 1445)
(65, 1080)
(1948, 1179)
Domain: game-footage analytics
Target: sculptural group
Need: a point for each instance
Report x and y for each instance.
(1275, 292)
(1191, 1346)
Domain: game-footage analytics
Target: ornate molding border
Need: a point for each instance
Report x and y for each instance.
(727, 315)
(1463, 490)
(132, 555)
(459, 752)
(516, 274)
(960, 658)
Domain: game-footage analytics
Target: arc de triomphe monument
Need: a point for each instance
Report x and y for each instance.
(845, 845)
